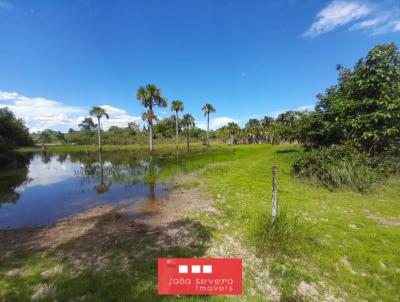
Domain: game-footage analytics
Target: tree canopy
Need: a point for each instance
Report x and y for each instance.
(363, 108)
(13, 134)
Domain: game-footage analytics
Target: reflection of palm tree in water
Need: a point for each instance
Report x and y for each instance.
(102, 187)
(150, 205)
(46, 158)
(152, 186)
(152, 191)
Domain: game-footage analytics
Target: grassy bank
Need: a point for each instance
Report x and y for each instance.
(356, 236)
(347, 247)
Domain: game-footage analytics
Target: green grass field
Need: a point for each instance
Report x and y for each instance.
(355, 255)
(343, 243)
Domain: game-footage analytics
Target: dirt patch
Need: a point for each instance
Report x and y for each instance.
(253, 266)
(307, 291)
(345, 261)
(389, 221)
(102, 227)
(347, 264)
(172, 207)
(85, 227)
(42, 291)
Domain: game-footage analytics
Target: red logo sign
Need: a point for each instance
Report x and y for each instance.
(199, 276)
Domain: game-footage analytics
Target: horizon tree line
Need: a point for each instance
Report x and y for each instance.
(150, 98)
(361, 110)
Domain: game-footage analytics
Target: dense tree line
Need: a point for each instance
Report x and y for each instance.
(363, 109)
(354, 131)
(13, 134)
(267, 130)
(163, 131)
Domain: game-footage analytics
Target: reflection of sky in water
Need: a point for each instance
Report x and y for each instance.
(58, 188)
(41, 174)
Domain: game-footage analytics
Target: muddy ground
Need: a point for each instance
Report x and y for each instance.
(103, 226)
(85, 239)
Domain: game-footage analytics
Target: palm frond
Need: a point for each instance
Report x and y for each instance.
(177, 106)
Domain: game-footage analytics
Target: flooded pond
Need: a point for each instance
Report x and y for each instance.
(49, 187)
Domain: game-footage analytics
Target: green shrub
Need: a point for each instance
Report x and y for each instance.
(338, 166)
(388, 163)
(288, 234)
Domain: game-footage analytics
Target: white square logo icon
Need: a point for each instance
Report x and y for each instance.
(207, 269)
(195, 269)
(183, 269)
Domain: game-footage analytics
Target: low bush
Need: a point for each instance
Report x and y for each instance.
(388, 163)
(287, 235)
(339, 166)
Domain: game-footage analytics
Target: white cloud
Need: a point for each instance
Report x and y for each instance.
(306, 108)
(390, 26)
(366, 24)
(118, 117)
(336, 14)
(396, 25)
(377, 19)
(275, 114)
(40, 113)
(50, 173)
(215, 123)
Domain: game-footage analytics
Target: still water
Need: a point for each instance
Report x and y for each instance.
(49, 187)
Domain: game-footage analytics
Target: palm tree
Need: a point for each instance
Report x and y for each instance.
(253, 130)
(207, 109)
(99, 113)
(150, 97)
(144, 117)
(267, 124)
(287, 118)
(233, 129)
(176, 106)
(188, 121)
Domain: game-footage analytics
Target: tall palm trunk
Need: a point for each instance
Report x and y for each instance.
(99, 133)
(176, 130)
(231, 139)
(150, 119)
(151, 136)
(208, 127)
(187, 139)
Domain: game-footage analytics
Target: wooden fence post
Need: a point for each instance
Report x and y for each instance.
(274, 193)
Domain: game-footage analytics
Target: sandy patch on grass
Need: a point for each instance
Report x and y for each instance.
(85, 227)
(254, 267)
(347, 264)
(42, 291)
(15, 272)
(388, 221)
(177, 204)
(307, 291)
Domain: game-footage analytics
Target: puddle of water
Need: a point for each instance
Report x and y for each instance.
(50, 187)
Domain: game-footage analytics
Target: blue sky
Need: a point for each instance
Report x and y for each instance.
(248, 58)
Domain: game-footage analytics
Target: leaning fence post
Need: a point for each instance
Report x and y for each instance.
(274, 193)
